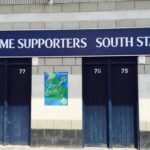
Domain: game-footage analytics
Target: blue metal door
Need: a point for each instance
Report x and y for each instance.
(95, 106)
(16, 101)
(124, 100)
(110, 102)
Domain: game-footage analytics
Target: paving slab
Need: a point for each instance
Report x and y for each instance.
(10, 147)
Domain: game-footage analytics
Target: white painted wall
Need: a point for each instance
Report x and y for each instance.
(144, 101)
(75, 16)
(73, 111)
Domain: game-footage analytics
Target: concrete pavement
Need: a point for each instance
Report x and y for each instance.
(10, 147)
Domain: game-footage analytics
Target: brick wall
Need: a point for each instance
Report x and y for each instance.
(75, 7)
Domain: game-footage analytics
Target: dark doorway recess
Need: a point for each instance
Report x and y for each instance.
(15, 101)
(110, 102)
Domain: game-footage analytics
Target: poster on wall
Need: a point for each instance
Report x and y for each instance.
(56, 88)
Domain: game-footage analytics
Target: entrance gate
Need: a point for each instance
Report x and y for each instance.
(15, 99)
(110, 102)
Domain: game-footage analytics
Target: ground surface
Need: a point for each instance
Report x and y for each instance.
(57, 148)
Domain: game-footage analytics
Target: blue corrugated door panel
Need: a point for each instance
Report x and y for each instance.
(95, 109)
(124, 99)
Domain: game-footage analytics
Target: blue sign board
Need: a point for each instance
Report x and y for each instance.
(129, 41)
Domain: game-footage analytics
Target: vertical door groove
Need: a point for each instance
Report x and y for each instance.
(5, 102)
(2, 95)
(109, 106)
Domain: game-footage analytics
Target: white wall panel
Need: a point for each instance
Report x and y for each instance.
(75, 16)
(10, 2)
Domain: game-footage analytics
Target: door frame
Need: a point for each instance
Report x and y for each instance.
(109, 107)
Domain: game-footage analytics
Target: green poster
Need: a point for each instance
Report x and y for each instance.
(56, 88)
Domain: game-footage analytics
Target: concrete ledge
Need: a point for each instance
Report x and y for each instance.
(56, 124)
(145, 126)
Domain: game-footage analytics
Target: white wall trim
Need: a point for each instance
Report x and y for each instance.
(75, 16)
(84, 1)
(24, 2)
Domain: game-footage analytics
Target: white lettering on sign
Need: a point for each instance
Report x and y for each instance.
(53, 43)
(75, 43)
(114, 42)
(8, 43)
(143, 41)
